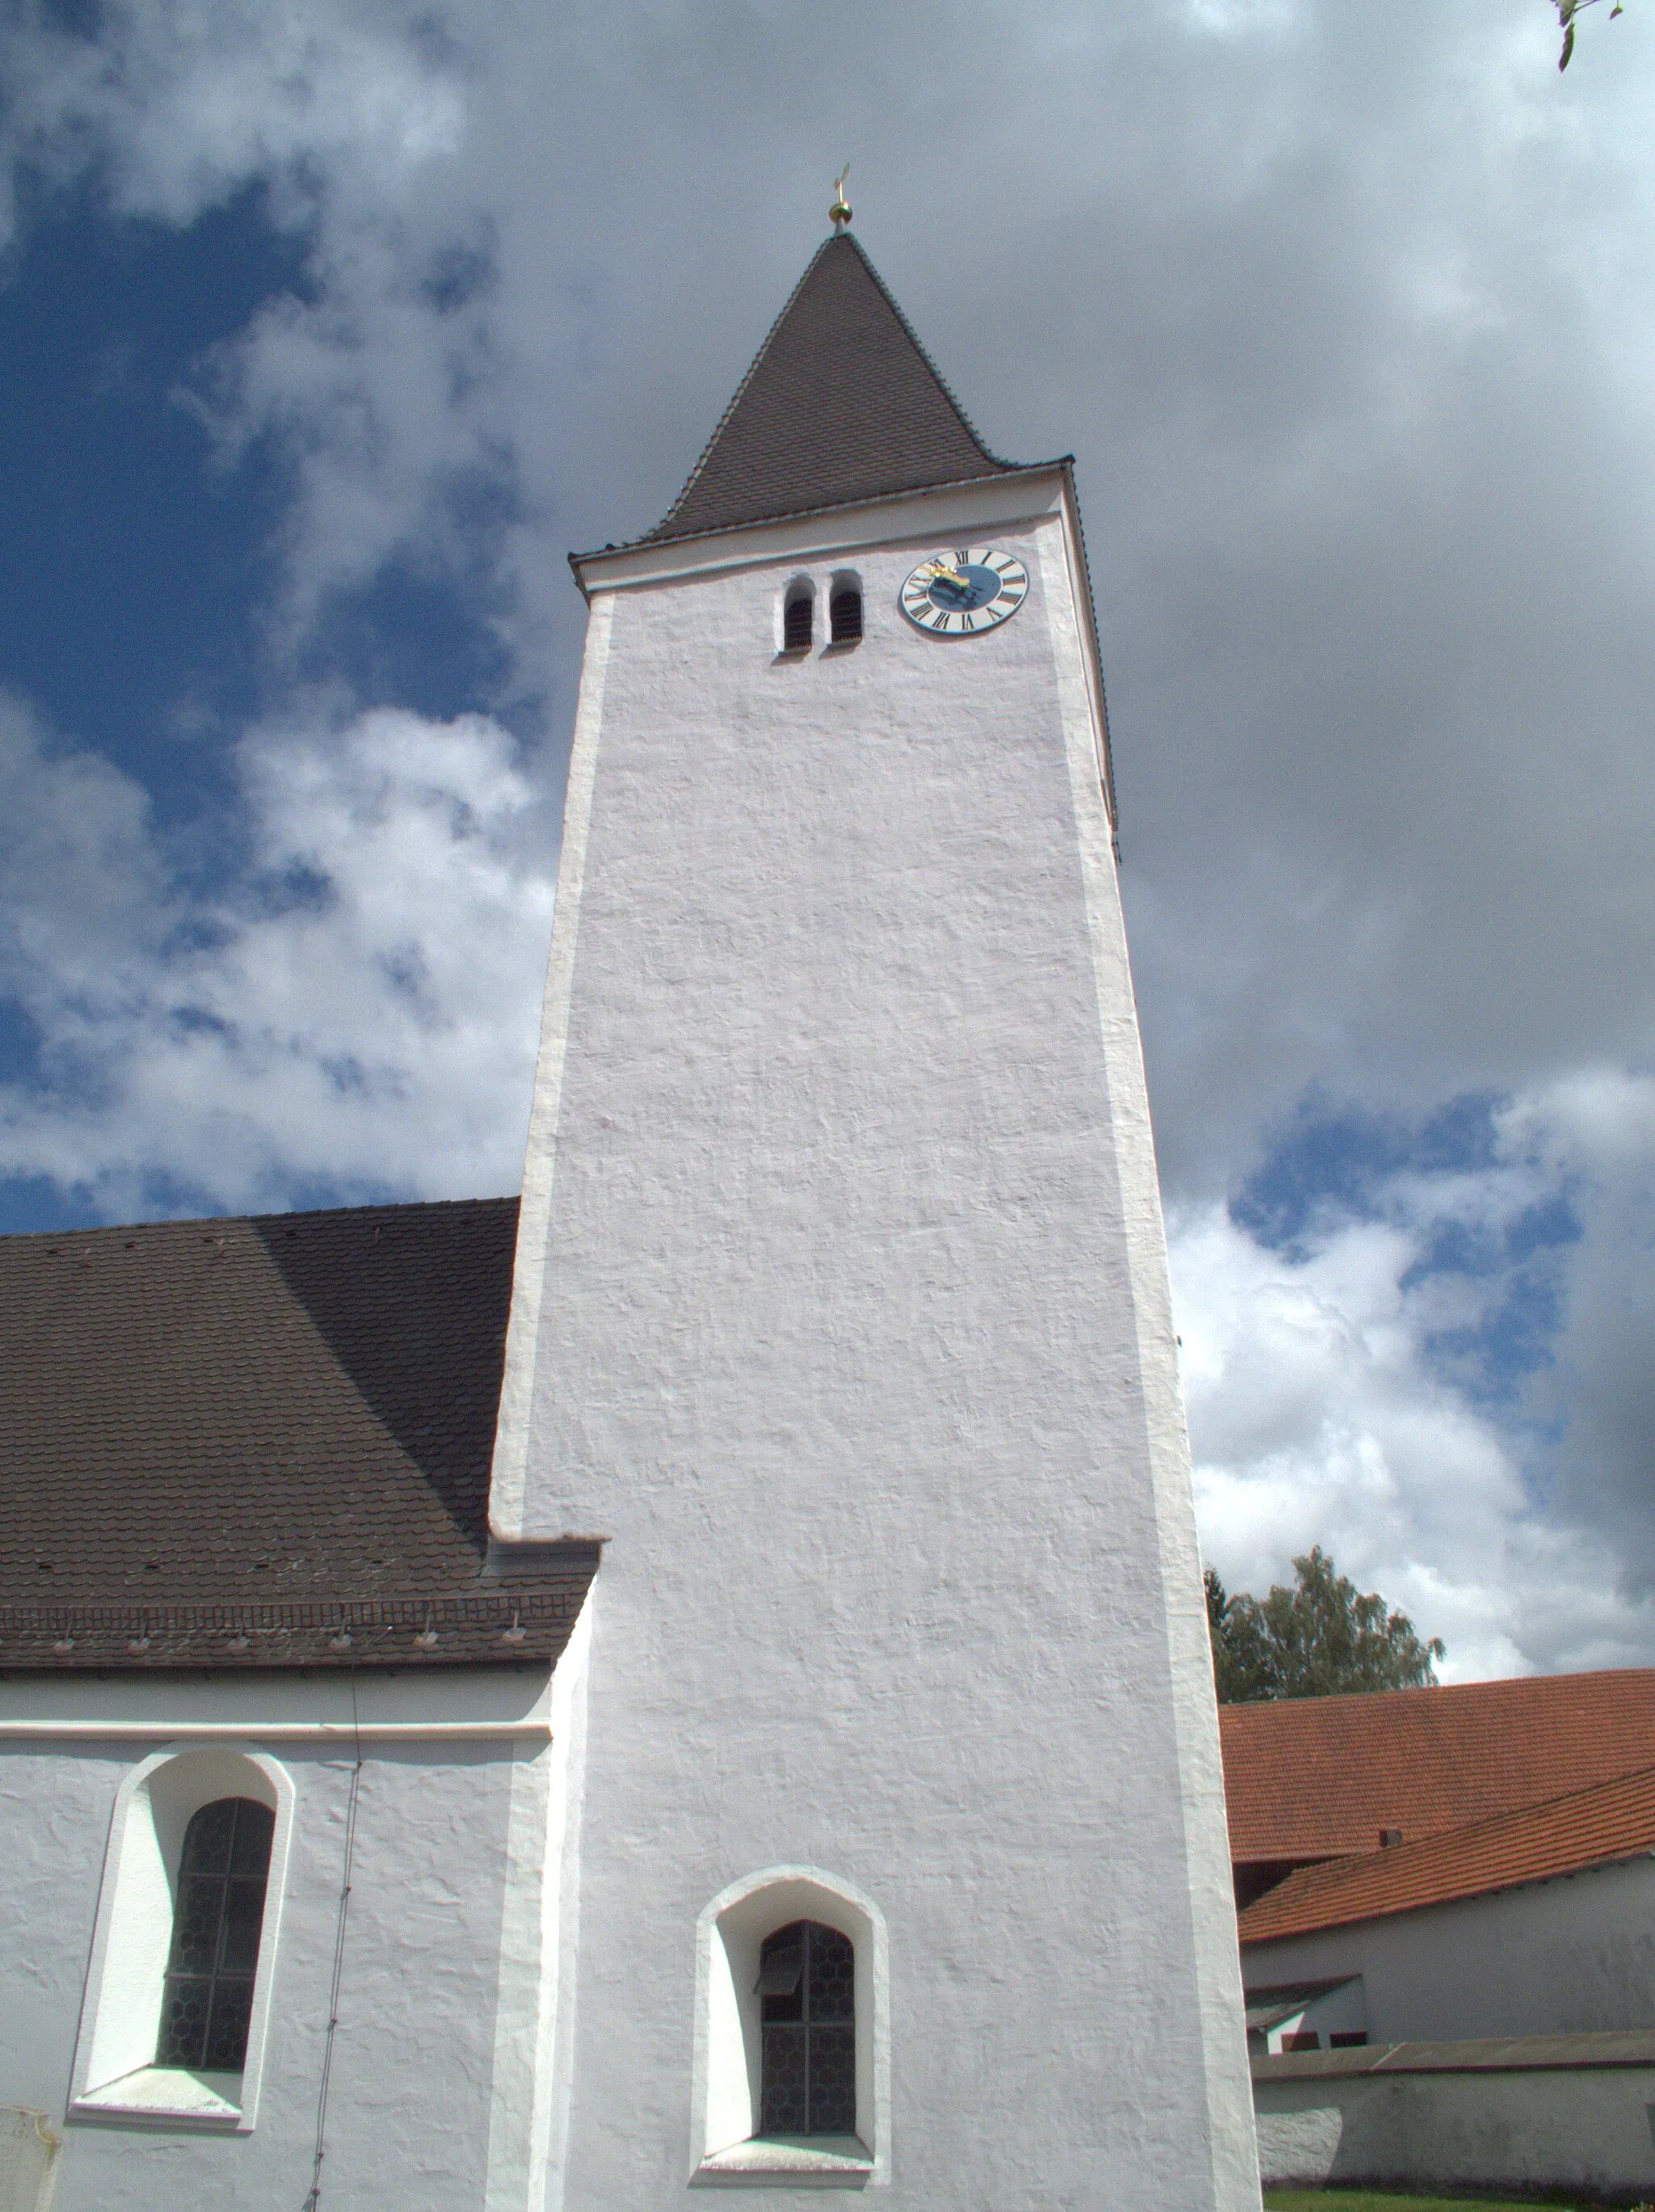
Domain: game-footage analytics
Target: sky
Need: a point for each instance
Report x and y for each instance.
(328, 327)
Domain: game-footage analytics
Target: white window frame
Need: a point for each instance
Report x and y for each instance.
(729, 2042)
(116, 2079)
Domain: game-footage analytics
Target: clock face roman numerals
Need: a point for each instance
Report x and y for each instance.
(964, 592)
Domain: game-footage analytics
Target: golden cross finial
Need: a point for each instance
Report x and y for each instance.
(841, 210)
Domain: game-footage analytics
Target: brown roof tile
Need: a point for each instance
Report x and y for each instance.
(1588, 1828)
(264, 1442)
(1320, 1777)
(842, 404)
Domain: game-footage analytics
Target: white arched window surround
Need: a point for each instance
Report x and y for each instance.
(116, 2079)
(727, 2051)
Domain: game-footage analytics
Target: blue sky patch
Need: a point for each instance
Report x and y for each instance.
(1335, 1167)
(1335, 1163)
(132, 566)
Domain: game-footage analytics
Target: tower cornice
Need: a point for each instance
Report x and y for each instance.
(1007, 496)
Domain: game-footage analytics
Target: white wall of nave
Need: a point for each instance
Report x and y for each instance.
(444, 1870)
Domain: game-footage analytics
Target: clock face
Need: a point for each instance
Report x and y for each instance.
(962, 592)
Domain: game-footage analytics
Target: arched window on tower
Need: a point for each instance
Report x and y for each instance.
(798, 616)
(844, 611)
(208, 1998)
(806, 1985)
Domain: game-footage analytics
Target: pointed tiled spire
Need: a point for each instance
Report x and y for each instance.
(841, 403)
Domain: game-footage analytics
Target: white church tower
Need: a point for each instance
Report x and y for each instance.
(893, 1853)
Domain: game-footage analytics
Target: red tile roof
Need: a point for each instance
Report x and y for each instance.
(1588, 1828)
(1320, 1777)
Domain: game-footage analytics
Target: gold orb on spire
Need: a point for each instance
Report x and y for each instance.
(841, 210)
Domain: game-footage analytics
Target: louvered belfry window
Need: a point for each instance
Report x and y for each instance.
(845, 614)
(807, 1984)
(797, 618)
(215, 1928)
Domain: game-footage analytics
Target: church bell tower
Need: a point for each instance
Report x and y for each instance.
(893, 1853)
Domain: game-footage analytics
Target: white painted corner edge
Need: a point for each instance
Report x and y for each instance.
(1217, 1957)
(509, 1481)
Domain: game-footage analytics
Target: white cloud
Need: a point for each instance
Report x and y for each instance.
(1322, 1410)
(185, 99)
(356, 1012)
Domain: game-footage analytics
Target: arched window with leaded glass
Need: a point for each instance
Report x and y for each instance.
(176, 2011)
(208, 1998)
(806, 1985)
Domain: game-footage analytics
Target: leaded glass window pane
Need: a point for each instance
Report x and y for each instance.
(806, 1985)
(833, 2081)
(208, 1996)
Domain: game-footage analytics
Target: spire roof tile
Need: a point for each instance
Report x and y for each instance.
(841, 403)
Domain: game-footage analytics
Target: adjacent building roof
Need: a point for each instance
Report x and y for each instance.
(1588, 1828)
(1322, 1777)
(264, 1442)
(842, 404)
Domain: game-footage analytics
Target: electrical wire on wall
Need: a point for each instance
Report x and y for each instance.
(315, 2195)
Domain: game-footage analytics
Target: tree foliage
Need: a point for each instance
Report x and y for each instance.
(1567, 12)
(1314, 1640)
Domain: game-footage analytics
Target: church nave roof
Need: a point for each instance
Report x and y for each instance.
(265, 1442)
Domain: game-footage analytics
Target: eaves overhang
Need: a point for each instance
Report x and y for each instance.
(650, 558)
(524, 1620)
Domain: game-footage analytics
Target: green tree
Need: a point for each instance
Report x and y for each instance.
(1317, 1639)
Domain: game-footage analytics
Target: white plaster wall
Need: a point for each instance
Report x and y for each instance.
(1554, 1958)
(1565, 2127)
(414, 2061)
(846, 1323)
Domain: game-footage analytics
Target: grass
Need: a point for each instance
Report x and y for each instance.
(1378, 2200)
